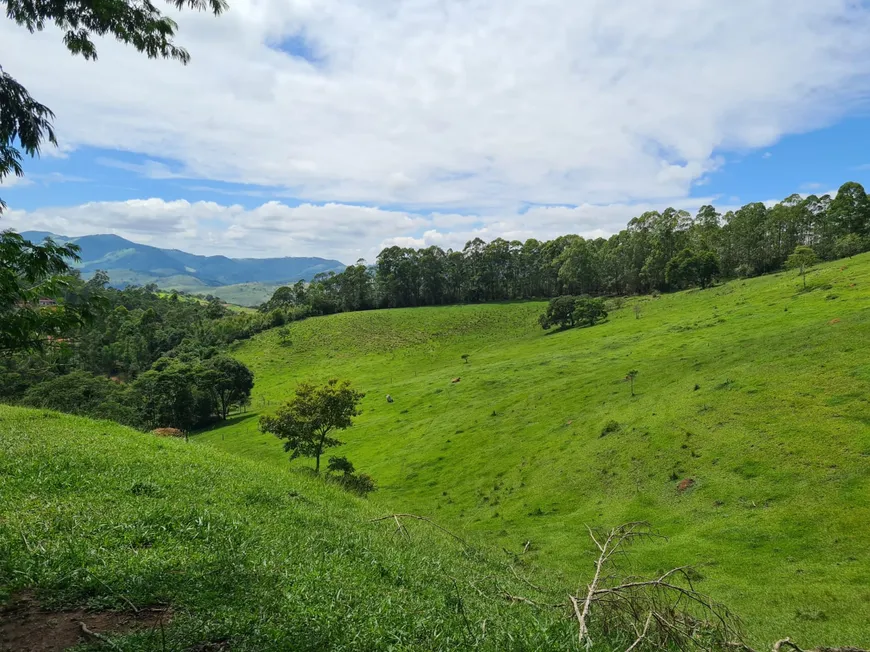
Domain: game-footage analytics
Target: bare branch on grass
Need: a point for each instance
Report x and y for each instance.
(396, 518)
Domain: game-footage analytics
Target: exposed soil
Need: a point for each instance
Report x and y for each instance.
(686, 484)
(168, 432)
(27, 627)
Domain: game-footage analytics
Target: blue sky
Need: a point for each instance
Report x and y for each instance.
(338, 127)
(815, 162)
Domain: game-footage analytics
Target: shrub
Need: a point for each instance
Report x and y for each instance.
(610, 427)
(340, 470)
(284, 336)
(358, 483)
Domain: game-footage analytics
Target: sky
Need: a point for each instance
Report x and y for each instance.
(337, 127)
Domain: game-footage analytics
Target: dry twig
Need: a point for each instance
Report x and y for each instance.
(89, 633)
(396, 517)
(642, 634)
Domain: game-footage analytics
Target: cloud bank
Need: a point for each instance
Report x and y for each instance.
(446, 106)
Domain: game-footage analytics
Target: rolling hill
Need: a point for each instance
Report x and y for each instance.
(247, 281)
(205, 551)
(747, 443)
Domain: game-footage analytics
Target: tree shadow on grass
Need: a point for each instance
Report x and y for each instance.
(562, 329)
(231, 421)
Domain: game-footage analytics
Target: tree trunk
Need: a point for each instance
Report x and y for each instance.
(319, 451)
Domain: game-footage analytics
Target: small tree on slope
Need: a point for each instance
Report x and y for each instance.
(802, 259)
(630, 376)
(307, 419)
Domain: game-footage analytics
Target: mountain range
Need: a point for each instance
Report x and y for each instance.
(246, 281)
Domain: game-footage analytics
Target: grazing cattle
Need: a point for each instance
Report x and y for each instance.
(389, 399)
(455, 380)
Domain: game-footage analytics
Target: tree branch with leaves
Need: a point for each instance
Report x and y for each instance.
(29, 274)
(29, 270)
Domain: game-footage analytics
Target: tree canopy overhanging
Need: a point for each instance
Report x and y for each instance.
(35, 271)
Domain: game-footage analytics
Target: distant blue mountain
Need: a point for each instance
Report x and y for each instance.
(121, 257)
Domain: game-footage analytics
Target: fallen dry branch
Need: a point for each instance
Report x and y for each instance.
(669, 608)
(641, 635)
(92, 635)
(783, 643)
(525, 581)
(664, 612)
(402, 528)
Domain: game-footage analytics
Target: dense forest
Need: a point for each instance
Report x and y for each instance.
(658, 251)
(143, 359)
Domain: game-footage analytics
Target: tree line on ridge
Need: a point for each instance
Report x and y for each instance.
(657, 251)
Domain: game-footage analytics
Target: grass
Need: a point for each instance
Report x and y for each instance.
(248, 556)
(242, 294)
(757, 390)
(163, 294)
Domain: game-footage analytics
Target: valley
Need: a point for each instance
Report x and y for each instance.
(747, 442)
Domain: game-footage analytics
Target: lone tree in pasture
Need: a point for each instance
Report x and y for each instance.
(802, 259)
(465, 357)
(307, 420)
(285, 336)
(630, 376)
(568, 311)
(228, 381)
(637, 310)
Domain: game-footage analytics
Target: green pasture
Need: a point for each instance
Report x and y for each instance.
(756, 392)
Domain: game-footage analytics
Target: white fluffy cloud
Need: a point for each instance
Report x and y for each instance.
(12, 180)
(462, 102)
(611, 106)
(342, 231)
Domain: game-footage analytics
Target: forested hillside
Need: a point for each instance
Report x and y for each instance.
(658, 251)
(745, 438)
(144, 358)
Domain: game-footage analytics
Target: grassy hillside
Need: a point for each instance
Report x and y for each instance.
(757, 391)
(242, 294)
(236, 554)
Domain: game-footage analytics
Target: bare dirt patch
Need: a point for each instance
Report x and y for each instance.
(26, 627)
(168, 432)
(685, 485)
